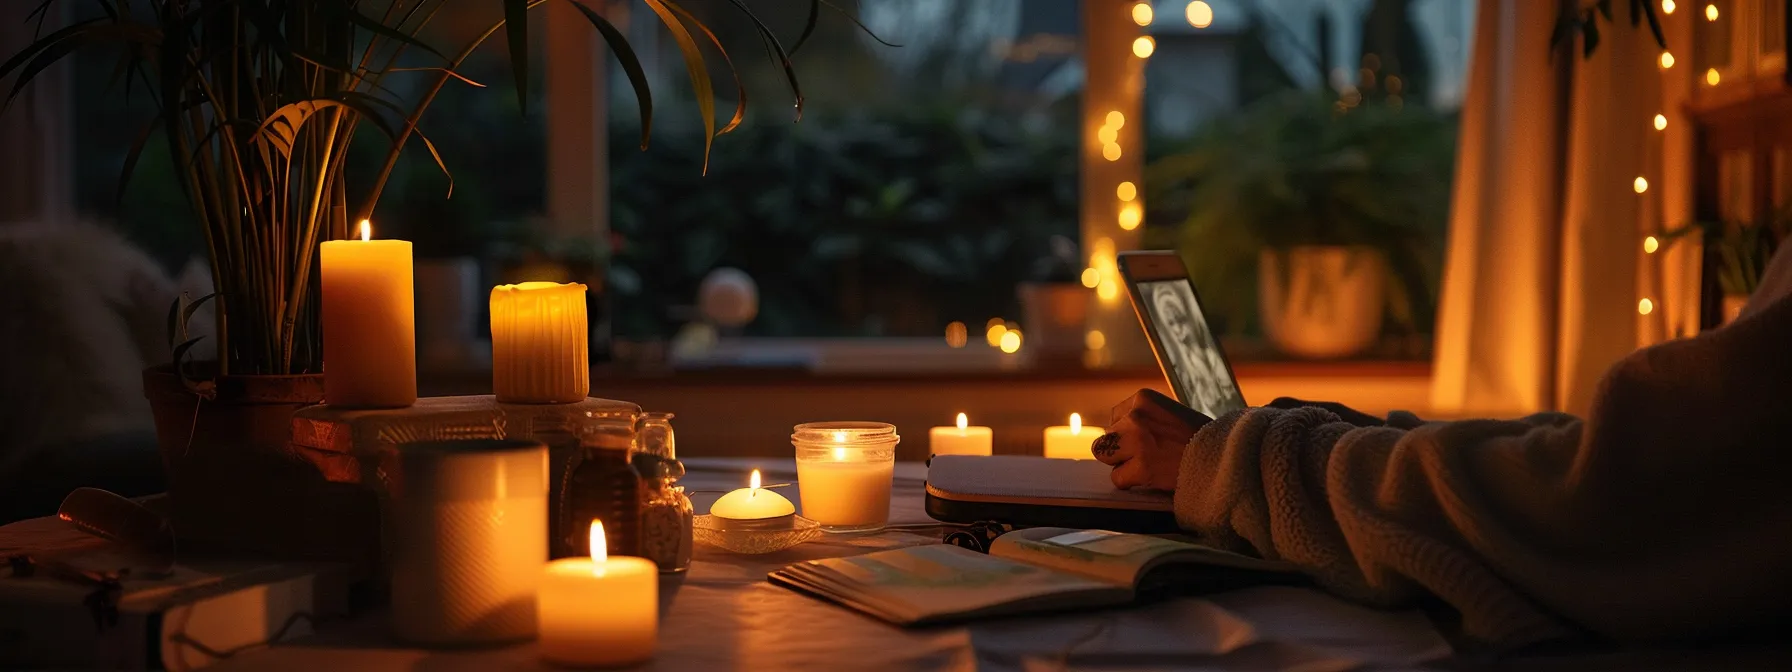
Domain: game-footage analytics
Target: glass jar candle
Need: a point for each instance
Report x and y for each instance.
(843, 473)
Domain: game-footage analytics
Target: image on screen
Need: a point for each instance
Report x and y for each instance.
(1192, 357)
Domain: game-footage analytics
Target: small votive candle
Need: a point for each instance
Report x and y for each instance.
(844, 471)
(540, 343)
(752, 503)
(1073, 442)
(598, 612)
(961, 440)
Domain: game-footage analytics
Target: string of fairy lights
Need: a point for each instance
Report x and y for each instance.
(1652, 244)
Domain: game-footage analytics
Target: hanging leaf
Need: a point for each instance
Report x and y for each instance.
(740, 100)
(516, 29)
(779, 56)
(341, 9)
(631, 65)
(808, 26)
(693, 63)
(281, 130)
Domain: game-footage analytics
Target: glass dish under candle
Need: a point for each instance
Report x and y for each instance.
(751, 537)
(843, 473)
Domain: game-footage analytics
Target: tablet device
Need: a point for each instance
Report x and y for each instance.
(1186, 348)
(1030, 491)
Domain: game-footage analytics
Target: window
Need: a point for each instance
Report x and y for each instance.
(1279, 129)
(922, 185)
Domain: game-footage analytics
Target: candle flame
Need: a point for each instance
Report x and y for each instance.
(963, 422)
(754, 481)
(366, 229)
(600, 552)
(839, 454)
(1076, 423)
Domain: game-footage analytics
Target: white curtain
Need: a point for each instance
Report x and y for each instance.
(1546, 265)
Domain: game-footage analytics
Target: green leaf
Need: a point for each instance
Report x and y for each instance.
(693, 63)
(516, 29)
(808, 26)
(781, 57)
(631, 65)
(342, 10)
(740, 101)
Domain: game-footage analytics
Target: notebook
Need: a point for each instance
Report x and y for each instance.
(1027, 571)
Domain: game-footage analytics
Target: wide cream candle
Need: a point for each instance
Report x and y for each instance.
(961, 440)
(1072, 442)
(540, 343)
(598, 612)
(369, 322)
(844, 471)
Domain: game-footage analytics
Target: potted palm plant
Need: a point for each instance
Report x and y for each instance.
(259, 103)
(1327, 207)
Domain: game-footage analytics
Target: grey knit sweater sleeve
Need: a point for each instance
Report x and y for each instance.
(1666, 514)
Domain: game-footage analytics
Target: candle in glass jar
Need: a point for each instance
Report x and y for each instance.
(961, 440)
(598, 612)
(369, 322)
(1074, 442)
(844, 472)
(540, 343)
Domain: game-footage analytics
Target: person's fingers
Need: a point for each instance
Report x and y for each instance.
(1106, 448)
(1131, 474)
(1125, 406)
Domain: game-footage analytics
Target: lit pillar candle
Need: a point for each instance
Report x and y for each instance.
(598, 612)
(1072, 442)
(961, 440)
(752, 503)
(540, 343)
(369, 322)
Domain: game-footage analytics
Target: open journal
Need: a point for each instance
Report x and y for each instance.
(1026, 571)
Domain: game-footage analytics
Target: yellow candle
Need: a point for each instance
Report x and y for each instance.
(369, 322)
(961, 440)
(752, 503)
(601, 612)
(1072, 442)
(540, 343)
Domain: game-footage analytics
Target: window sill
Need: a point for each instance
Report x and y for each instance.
(746, 411)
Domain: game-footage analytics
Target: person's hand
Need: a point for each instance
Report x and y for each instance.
(1145, 439)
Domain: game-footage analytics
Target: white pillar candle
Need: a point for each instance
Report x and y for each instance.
(540, 343)
(844, 472)
(598, 612)
(469, 537)
(1073, 442)
(369, 322)
(961, 440)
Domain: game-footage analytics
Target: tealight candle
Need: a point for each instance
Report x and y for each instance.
(369, 322)
(540, 343)
(961, 440)
(1074, 442)
(752, 503)
(844, 472)
(598, 612)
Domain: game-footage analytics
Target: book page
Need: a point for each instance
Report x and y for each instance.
(928, 583)
(1114, 557)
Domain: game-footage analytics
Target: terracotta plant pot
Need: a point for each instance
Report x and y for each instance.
(235, 482)
(1322, 302)
(1051, 319)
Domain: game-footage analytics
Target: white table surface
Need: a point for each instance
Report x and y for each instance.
(723, 614)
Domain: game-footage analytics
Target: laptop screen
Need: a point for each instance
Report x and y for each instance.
(1191, 356)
